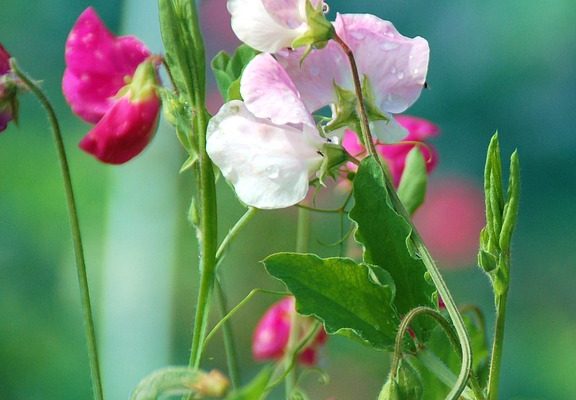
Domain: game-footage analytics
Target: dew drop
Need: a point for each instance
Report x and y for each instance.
(272, 171)
(314, 70)
(387, 46)
(400, 75)
(358, 35)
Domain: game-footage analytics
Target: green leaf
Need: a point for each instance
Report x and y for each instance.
(228, 70)
(350, 299)
(412, 188)
(384, 235)
(257, 389)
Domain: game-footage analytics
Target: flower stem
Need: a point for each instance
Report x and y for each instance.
(302, 239)
(418, 243)
(75, 231)
(496, 358)
(228, 335)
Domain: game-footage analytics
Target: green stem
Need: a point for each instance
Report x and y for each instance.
(207, 229)
(75, 231)
(421, 249)
(302, 240)
(228, 334)
(496, 358)
(233, 233)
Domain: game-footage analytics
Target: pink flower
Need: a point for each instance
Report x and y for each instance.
(273, 331)
(111, 81)
(8, 89)
(418, 131)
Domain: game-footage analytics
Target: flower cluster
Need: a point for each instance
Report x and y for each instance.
(111, 82)
(269, 145)
(272, 334)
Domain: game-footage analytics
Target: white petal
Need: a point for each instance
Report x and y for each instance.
(255, 26)
(268, 165)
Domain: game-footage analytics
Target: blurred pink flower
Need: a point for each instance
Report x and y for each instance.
(450, 221)
(8, 89)
(395, 154)
(101, 85)
(273, 331)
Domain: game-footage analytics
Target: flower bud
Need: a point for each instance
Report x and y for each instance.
(128, 126)
(8, 91)
(272, 334)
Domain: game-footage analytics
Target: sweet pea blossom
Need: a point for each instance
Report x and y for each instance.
(273, 332)
(269, 25)
(111, 81)
(393, 66)
(395, 155)
(8, 89)
(268, 150)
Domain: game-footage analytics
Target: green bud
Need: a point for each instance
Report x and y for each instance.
(412, 188)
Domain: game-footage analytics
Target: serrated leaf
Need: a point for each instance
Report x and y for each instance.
(412, 188)
(347, 297)
(384, 235)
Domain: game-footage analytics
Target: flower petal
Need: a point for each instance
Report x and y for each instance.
(124, 131)
(268, 92)
(395, 65)
(269, 165)
(388, 131)
(97, 65)
(266, 30)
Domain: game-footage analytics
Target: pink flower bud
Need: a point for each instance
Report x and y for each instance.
(129, 124)
(110, 81)
(273, 332)
(395, 154)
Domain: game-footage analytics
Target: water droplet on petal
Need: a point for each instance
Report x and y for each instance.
(357, 35)
(400, 75)
(387, 46)
(272, 171)
(314, 70)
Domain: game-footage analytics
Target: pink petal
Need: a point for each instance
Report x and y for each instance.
(418, 128)
(268, 92)
(273, 330)
(4, 60)
(124, 131)
(97, 65)
(316, 76)
(288, 13)
(395, 65)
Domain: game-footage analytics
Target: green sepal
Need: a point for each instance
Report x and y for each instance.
(180, 381)
(353, 300)
(412, 188)
(344, 110)
(257, 389)
(228, 70)
(384, 234)
(319, 32)
(374, 113)
(333, 156)
(487, 261)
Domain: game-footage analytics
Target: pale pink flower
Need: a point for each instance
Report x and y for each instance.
(268, 25)
(101, 86)
(419, 130)
(273, 332)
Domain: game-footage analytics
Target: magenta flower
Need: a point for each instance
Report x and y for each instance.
(8, 89)
(273, 331)
(111, 81)
(418, 131)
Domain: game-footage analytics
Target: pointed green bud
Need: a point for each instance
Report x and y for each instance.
(412, 188)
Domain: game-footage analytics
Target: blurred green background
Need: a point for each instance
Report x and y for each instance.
(506, 65)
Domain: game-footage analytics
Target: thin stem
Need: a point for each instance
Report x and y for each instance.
(418, 243)
(496, 358)
(302, 240)
(228, 335)
(233, 233)
(75, 231)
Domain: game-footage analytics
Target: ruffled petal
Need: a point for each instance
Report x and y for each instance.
(389, 131)
(98, 64)
(265, 27)
(396, 66)
(268, 92)
(124, 131)
(269, 165)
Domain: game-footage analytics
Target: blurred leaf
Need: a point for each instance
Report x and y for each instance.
(256, 389)
(350, 299)
(412, 188)
(384, 235)
(407, 385)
